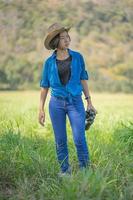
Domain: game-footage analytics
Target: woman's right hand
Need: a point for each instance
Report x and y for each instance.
(41, 117)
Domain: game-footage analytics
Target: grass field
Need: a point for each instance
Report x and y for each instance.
(28, 166)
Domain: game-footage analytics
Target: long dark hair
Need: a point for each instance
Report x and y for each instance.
(54, 42)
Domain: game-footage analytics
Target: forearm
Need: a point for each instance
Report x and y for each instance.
(86, 90)
(43, 96)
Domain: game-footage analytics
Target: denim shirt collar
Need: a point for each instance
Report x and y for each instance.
(69, 51)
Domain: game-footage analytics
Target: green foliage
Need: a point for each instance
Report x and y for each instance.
(101, 30)
(28, 167)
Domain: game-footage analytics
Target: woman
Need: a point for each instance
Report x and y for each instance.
(64, 72)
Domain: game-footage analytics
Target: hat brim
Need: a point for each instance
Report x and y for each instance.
(51, 35)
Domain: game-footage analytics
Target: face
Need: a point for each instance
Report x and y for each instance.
(64, 40)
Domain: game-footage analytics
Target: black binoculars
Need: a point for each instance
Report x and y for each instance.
(90, 117)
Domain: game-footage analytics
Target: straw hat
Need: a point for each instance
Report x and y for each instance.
(54, 30)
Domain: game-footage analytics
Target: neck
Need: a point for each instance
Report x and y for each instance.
(62, 52)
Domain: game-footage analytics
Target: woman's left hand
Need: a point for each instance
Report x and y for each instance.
(90, 106)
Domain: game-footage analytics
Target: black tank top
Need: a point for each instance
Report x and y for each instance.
(64, 69)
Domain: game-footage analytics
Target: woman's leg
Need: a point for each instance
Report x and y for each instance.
(58, 118)
(76, 114)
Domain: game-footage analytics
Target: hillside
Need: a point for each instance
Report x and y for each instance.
(101, 30)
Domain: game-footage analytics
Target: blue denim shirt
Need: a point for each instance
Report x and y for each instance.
(50, 77)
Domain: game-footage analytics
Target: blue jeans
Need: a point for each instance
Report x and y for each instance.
(58, 109)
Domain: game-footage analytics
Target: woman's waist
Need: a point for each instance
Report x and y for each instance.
(69, 97)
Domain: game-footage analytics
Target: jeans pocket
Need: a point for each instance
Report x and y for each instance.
(53, 98)
(56, 100)
(78, 100)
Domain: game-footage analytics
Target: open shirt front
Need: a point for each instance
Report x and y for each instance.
(50, 77)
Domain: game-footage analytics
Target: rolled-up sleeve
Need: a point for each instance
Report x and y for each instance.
(84, 75)
(44, 82)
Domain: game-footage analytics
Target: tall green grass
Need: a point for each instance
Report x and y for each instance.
(28, 165)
